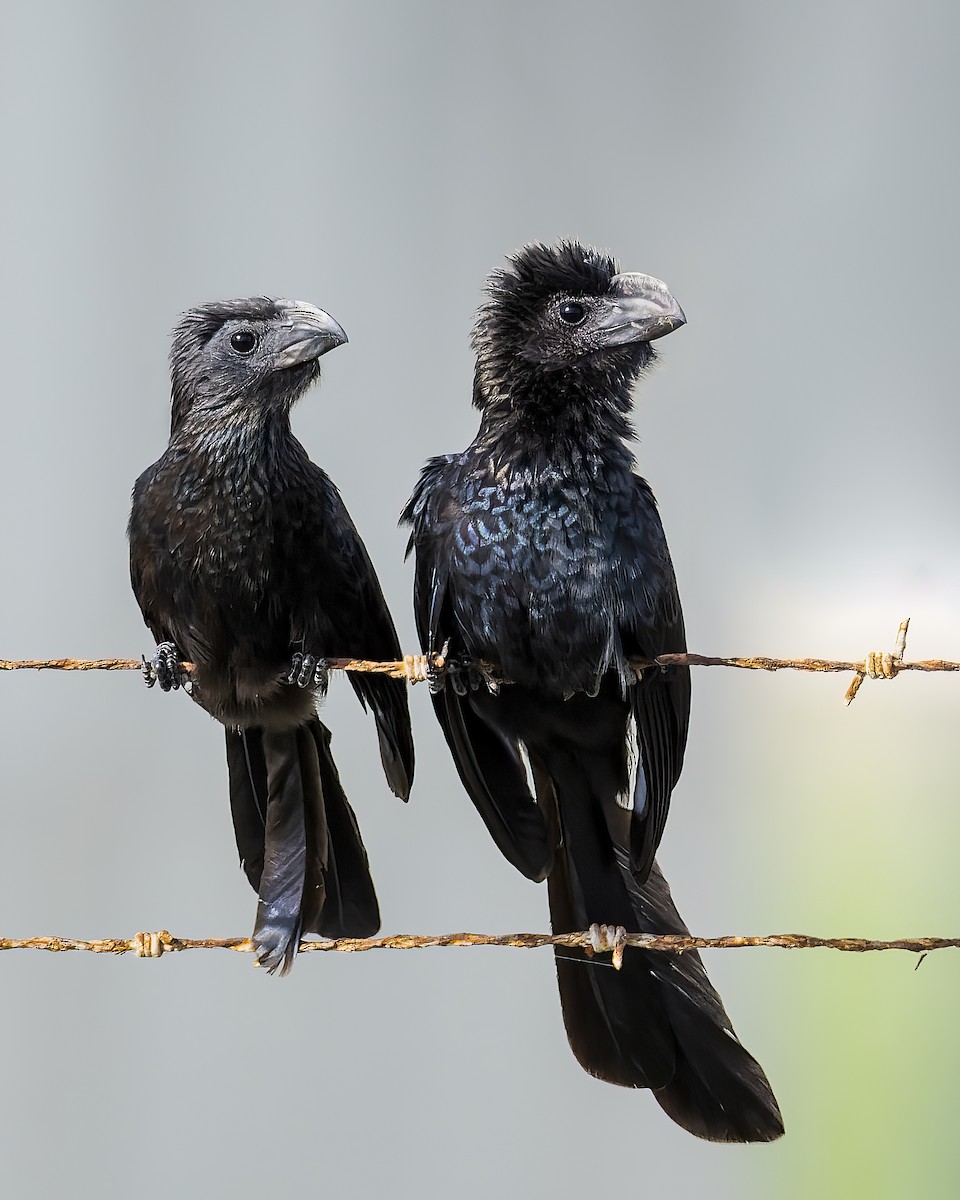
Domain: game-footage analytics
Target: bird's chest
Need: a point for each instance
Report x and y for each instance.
(533, 564)
(535, 539)
(221, 534)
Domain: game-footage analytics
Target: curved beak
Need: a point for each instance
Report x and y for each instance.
(641, 309)
(307, 334)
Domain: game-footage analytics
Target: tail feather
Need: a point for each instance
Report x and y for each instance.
(658, 1022)
(279, 911)
(615, 1020)
(719, 1091)
(350, 908)
(248, 798)
(317, 832)
(299, 842)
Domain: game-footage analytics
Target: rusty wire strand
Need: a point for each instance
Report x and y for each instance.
(153, 945)
(416, 668)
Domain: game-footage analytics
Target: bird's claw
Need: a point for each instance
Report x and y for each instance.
(164, 668)
(461, 676)
(467, 675)
(436, 673)
(307, 671)
(487, 677)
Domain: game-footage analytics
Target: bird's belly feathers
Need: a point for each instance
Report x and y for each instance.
(226, 608)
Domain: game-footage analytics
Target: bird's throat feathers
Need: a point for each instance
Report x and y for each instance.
(588, 408)
(236, 435)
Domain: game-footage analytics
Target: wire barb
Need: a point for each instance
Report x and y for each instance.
(608, 939)
(880, 664)
(151, 945)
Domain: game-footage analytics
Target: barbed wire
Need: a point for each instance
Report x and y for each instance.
(419, 668)
(602, 939)
(614, 940)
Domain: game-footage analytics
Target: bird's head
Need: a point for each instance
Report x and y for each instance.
(563, 318)
(256, 354)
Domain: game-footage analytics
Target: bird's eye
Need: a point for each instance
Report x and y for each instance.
(571, 312)
(243, 341)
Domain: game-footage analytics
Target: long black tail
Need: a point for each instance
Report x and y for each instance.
(658, 1022)
(298, 839)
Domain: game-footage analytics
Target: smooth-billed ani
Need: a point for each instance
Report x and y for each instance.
(539, 550)
(246, 563)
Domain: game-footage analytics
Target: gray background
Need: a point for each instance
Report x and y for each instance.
(791, 172)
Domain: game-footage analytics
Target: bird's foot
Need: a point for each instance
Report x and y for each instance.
(437, 667)
(608, 939)
(469, 675)
(165, 668)
(307, 671)
(486, 675)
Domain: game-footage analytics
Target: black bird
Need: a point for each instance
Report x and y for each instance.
(538, 550)
(245, 562)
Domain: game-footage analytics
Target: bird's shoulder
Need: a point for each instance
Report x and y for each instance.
(434, 503)
(299, 484)
(148, 479)
(438, 479)
(157, 503)
(635, 519)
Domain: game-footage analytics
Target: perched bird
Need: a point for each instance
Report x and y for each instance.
(246, 563)
(540, 551)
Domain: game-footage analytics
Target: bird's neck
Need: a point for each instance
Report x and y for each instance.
(556, 418)
(236, 436)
